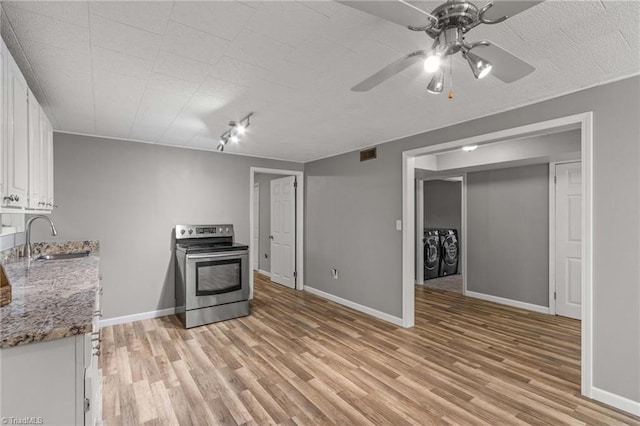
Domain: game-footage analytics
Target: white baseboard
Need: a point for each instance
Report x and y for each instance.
(268, 274)
(508, 302)
(353, 305)
(620, 402)
(137, 317)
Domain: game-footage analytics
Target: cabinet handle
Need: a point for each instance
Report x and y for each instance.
(12, 198)
(97, 353)
(97, 347)
(97, 313)
(41, 203)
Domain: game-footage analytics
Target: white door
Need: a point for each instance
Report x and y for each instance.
(283, 235)
(256, 227)
(569, 239)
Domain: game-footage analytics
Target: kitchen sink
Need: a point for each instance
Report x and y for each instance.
(62, 256)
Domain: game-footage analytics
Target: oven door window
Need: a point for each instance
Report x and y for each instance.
(218, 276)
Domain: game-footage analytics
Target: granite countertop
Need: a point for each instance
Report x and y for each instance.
(50, 299)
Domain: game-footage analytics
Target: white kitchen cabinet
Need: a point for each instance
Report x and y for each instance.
(40, 158)
(34, 198)
(46, 163)
(26, 144)
(3, 117)
(54, 382)
(17, 141)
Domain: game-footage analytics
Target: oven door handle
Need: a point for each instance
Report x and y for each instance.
(222, 254)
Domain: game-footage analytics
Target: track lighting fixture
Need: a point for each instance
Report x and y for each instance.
(236, 129)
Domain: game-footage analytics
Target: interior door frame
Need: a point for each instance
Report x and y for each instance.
(583, 122)
(276, 275)
(255, 259)
(299, 220)
(552, 232)
(420, 201)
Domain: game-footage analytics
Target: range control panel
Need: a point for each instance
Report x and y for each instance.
(203, 231)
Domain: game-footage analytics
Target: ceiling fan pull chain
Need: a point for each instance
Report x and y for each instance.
(450, 78)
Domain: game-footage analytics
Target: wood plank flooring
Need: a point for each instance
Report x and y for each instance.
(300, 359)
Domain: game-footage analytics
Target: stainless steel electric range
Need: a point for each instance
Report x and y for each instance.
(212, 274)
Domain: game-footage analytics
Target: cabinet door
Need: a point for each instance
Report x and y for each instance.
(45, 168)
(17, 140)
(3, 115)
(46, 163)
(35, 153)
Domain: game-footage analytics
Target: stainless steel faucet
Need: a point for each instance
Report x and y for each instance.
(27, 246)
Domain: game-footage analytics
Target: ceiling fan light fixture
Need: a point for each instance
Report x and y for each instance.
(479, 66)
(437, 83)
(432, 63)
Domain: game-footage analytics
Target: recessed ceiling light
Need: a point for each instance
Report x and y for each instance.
(469, 148)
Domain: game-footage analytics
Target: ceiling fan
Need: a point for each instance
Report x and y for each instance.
(447, 25)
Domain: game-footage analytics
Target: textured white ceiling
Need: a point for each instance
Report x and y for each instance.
(175, 73)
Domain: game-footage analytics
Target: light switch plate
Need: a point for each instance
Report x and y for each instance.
(398, 225)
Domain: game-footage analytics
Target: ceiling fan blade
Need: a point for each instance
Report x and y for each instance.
(389, 71)
(397, 11)
(506, 66)
(509, 8)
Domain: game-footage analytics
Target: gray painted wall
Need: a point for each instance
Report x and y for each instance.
(443, 204)
(264, 180)
(130, 195)
(508, 233)
(351, 208)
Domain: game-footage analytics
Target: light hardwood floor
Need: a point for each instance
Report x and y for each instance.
(299, 359)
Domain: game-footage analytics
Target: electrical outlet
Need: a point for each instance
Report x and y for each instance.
(334, 274)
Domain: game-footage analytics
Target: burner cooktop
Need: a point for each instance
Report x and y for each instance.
(211, 247)
(206, 239)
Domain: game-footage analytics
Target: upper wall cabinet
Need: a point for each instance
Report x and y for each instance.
(17, 149)
(34, 200)
(3, 116)
(26, 159)
(45, 183)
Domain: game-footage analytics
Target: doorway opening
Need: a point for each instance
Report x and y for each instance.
(276, 226)
(439, 227)
(426, 159)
